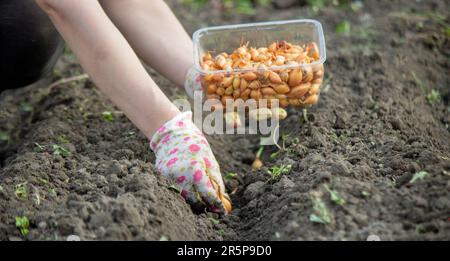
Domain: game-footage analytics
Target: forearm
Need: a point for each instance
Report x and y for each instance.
(155, 34)
(111, 63)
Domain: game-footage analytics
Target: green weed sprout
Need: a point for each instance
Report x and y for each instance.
(418, 176)
(321, 214)
(275, 172)
(23, 224)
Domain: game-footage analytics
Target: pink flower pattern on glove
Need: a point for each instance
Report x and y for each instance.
(184, 156)
(171, 162)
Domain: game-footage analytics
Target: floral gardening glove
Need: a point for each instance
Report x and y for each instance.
(183, 155)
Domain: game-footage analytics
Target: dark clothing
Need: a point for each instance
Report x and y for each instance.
(29, 44)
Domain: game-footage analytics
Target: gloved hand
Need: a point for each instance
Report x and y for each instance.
(183, 155)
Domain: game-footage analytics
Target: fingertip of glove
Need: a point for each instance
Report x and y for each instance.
(223, 197)
(227, 205)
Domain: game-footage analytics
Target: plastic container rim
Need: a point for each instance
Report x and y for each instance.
(318, 26)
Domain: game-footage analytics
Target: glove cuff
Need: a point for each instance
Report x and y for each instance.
(192, 82)
(181, 121)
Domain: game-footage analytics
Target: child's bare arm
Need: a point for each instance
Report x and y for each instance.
(155, 34)
(107, 57)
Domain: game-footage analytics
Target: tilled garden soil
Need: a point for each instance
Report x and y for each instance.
(371, 132)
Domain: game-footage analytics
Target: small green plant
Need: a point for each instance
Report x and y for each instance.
(418, 176)
(444, 172)
(316, 5)
(366, 32)
(419, 82)
(213, 220)
(335, 197)
(52, 192)
(163, 238)
(242, 7)
(277, 235)
(245, 7)
(275, 172)
(355, 6)
(37, 198)
(4, 136)
(196, 3)
(57, 73)
(305, 114)
(213, 217)
(275, 154)
(86, 115)
(26, 106)
(230, 175)
(108, 116)
(21, 191)
(43, 181)
(221, 232)
(58, 150)
(365, 193)
(39, 146)
(433, 97)
(62, 139)
(420, 229)
(321, 214)
(343, 28)
(23, 224)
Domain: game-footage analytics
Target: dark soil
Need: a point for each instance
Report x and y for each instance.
(373, 129)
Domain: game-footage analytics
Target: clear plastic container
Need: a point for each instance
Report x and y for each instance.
(301, 78)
